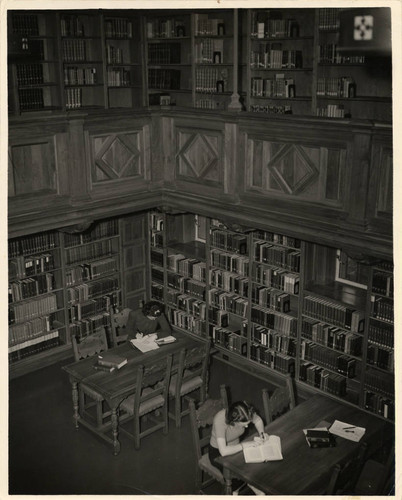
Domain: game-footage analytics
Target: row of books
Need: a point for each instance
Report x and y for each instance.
(329, 54)
(343, 86)
(273, 340)
(328, 19)
(187, 267)
(332, 336)
(30, 287)
(269, 253)
(382, 308)
(75, 75)
(381, 357)
(380, 382)
(74, 50)
(118, 28)
(164, 53)
(104, 229)
(31, 99)
(230, 262)
(334, 313)
(211, 80)
(156, 258)
(218, 317)
(187, 285)
(35, 346)
(274, 109)
(208, 27)
(86, 291)
(187, 303)
(271, 298)
(381, 334)
(332, 111)
(95, 250)
(165, 28)
(21, 267)
(156, 239)
(278, 239)
(29, 330)
(379, 405)
(157, 276)
(25, 24)
(162, 78)
(89, 271)
(37, 306)
(383, 283)
(227, 301)
(327, 358)
(278, 361)
(72, 25)
(281, 322)
(186, 321)
(157, 292)
(273, 87)
(276, 277)
(91, 324)
(231, 242)
(28, 245)
(229, 340)
(228, 281)
(209, 104)
(29, 74)
(323, 379)
(157, 222)
(114, 55)
(265, 25)
(73, 98)
(82, 310)
(273, 56)
(209, 51)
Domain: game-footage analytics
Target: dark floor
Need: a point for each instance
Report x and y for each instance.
(48, 456)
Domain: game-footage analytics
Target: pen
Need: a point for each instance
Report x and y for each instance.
(351, 427)
(349, 431)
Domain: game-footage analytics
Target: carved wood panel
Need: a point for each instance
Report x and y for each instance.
(32, 168)
(302, 171)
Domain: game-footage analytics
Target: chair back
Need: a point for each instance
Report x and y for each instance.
(280, 401)
(192, 363)
(202, 417)
(90, 345)
(152, 381)
(344, 476)
(118, 322)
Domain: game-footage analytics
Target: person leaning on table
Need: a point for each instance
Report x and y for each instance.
(227, 428)
(150, 320)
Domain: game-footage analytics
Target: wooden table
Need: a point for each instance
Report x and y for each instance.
(114, 387)
(303, 470)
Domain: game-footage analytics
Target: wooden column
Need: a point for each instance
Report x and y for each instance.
(234, 104)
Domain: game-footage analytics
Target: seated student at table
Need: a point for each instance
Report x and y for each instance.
(150, 320)
(228, 427)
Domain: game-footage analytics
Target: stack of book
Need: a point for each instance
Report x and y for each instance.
(109, 362)
(319, 438)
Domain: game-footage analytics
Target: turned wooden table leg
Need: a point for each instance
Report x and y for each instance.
(76, 416)
(228, 481)
(115, 431)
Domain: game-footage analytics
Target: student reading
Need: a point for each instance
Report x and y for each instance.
(227, 428)
(150, 320)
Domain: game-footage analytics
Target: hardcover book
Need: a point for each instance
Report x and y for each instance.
(111, 360)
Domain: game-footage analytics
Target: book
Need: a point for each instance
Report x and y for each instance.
(166, 340)
(319, 438)
(144, 344)
(102, 368)
(265, 451)
(111, 360)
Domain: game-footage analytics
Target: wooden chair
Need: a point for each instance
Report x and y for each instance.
(281, 400)
(201, 419)
(192, 375)
(118, 321)
(376, 478)
(89, 346)
(344, 476)
(151, 394)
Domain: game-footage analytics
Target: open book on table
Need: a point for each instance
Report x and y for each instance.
(144, 344)
(265, 451)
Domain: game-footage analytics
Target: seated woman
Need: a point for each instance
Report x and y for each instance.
(227, 428)
(150, 320)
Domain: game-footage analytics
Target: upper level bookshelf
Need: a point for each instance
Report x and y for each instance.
(282, 61)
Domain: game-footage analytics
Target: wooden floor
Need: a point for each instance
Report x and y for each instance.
(47, 456)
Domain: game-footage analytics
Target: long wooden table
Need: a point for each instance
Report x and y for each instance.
(114, 387)
(303, 470)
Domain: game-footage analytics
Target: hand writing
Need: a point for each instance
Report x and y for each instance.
(139, 335)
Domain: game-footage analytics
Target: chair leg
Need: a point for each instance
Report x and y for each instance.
(178, 411)
(99, 413)
(198, 479)
(137, 429)
(82, 400)
(165, 419)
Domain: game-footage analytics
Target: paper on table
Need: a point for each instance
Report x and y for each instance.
(144, 344)
(347, 431)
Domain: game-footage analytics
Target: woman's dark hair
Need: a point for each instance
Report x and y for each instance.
(240, 411)
(152, 308)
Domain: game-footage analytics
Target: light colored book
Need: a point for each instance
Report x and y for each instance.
(144, 344)
(265, 451)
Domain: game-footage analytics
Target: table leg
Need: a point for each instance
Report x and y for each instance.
(228, 481)
(76, 416)
(115, 431)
